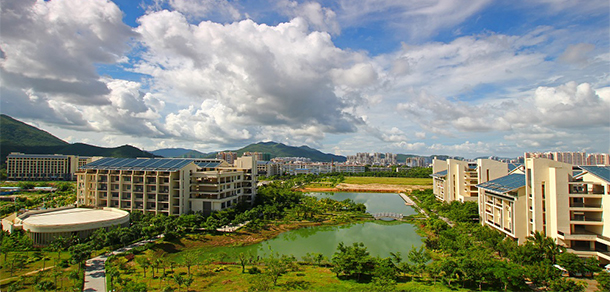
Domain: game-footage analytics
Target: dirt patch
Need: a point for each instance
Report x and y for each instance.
(375, 188)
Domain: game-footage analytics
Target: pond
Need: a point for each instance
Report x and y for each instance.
(379, 237)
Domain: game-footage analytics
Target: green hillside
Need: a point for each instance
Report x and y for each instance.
(282, 150)
(20, 137)
(14, 132)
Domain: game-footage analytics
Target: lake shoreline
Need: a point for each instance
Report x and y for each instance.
(368, 188)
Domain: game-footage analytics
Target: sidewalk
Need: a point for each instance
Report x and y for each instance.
(95, 272)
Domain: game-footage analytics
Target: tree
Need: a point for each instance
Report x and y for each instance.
(244, 259)
(567, 285)
(603, 281)
(45, 285)
(144, 264)
(352, 260)
(571, 262)
(79, 254)
(74, 275)
(189, 260)
(418, 259)
(275, 267)
(179, 280)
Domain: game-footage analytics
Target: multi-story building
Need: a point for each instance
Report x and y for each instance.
(457, 180)
(20, 166)
(268, 168)
(565, 202)
(598, 159)
(575, 158)
(167, 185)
(260, 156)
(229, 157)
(503, 205)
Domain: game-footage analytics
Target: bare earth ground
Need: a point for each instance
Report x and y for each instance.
(376, 188)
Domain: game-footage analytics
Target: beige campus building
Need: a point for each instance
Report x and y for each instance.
(167, 185)
(456, 180)
(566, 202)
(20, 166)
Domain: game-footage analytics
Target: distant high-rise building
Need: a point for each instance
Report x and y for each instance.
(575, 158)
(259, 155)
(228, 156)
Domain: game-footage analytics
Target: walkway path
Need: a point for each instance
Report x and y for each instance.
(407, 200)
(27, 274)
(95, 272)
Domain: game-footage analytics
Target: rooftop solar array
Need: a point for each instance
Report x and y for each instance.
(440, 174)
(156, 164)
(504, 184)
(602, 172)
(208, 164)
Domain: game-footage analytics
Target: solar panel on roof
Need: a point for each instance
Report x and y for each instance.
(602, 172)
(138, 164)
(504, 184)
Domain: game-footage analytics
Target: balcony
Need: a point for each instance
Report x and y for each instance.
(580, 188)
(587, 206)
(586, 220)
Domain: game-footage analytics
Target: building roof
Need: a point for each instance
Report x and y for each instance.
(504, 184)
(57, 156)
(513, 166)
(208, 164)
(156, 164)
(72, 219)
(439, 174)
(602, 172)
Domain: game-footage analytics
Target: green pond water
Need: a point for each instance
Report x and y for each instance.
(379, 237)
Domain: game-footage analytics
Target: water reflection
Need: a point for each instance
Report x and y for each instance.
(379, 237)
(374, 202)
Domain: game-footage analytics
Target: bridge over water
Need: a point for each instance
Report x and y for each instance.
(387, 215)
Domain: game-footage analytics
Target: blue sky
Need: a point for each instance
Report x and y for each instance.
(466, 78)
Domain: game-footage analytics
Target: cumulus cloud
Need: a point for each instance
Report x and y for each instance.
(53, 46)
(319, 18)
(255, 75)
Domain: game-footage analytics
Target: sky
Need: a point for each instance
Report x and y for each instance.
(466, 78)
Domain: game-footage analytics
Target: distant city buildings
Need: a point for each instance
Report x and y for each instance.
(418, 161)
(576, 158)
(229, 157)
(36, 167)
(372, 159)
(260, 156)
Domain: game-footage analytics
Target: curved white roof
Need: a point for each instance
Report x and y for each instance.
(74, 219)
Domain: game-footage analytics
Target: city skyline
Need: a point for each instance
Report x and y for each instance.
(463, 78)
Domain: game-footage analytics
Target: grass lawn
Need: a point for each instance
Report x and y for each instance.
(228, 277)
(27, 277)
(402, 181)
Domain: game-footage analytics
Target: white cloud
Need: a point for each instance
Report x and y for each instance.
(53, 46)
(256, 75)
(420, 18)
(198, 9)
(318, 17)
(577, 53)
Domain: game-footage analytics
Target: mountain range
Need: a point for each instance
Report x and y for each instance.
(17, 136)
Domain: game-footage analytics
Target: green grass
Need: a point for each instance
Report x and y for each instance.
(402, 181)
(213, 277)
(28, 282)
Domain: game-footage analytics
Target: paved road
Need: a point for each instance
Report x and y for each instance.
(95, 272)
